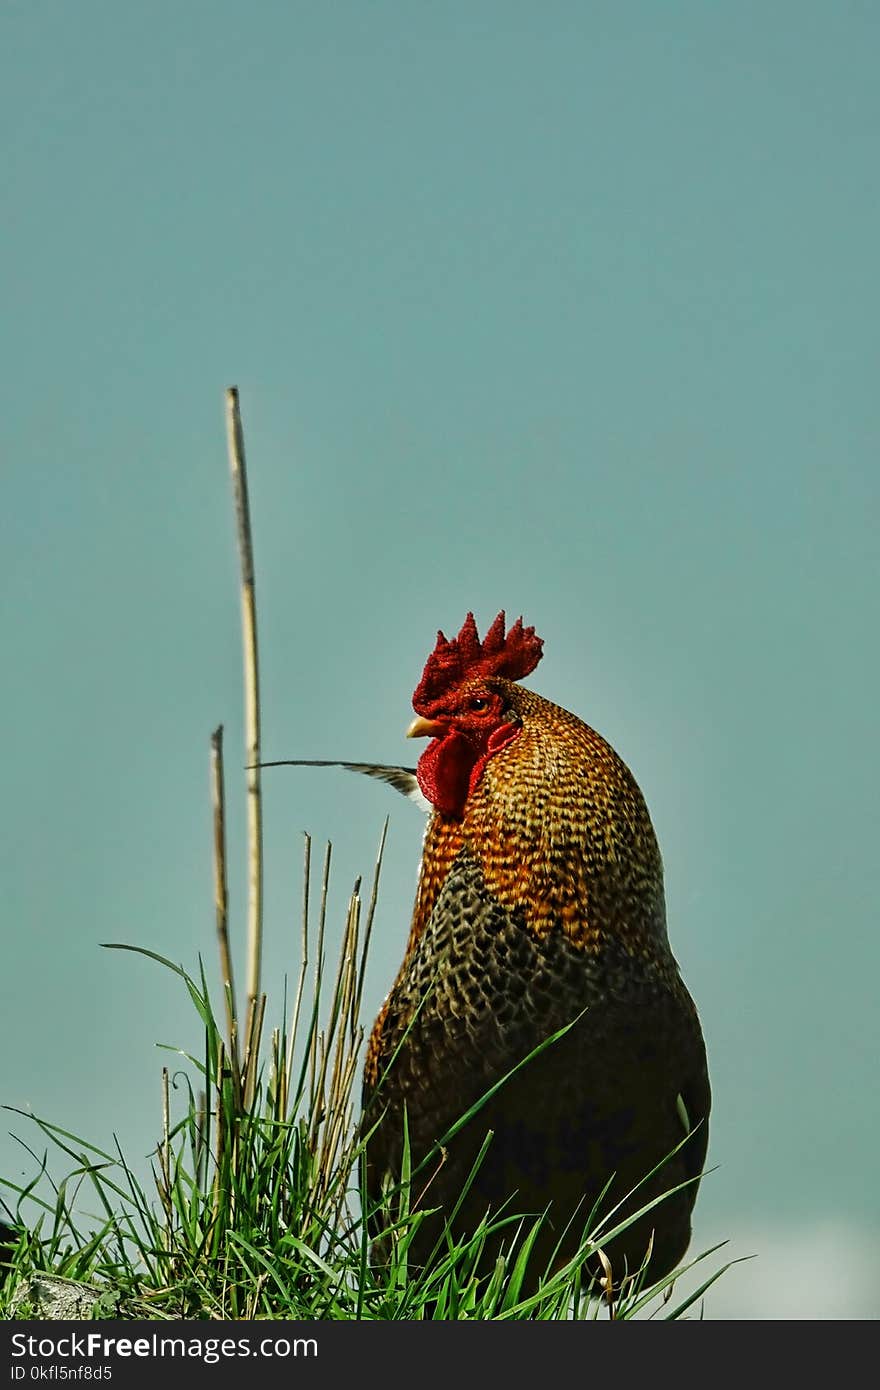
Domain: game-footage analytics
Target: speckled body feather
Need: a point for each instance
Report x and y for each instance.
(543, 903)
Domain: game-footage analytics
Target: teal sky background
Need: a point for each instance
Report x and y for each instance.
(569, 309)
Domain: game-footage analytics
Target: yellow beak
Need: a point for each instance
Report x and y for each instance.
(425, 728)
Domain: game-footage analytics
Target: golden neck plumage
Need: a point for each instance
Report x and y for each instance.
(561, 834)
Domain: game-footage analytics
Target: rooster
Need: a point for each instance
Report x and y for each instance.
(537, 979)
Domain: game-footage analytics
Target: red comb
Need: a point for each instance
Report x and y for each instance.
(466, 657)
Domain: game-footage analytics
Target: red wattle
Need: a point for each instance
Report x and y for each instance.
(451, 767)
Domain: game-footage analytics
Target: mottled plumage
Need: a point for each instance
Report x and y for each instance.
(540, 901)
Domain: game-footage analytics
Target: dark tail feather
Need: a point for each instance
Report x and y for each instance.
(402, 779)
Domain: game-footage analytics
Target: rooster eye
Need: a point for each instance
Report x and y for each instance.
(478, 703)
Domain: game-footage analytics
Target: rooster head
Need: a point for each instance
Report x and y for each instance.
(460, 706)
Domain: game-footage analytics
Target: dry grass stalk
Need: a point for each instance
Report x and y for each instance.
(368, 930)
(221, 900)
(251, 1060)
(300, 984)
(237, 465)
(220, 1136)
(319, 969)
(164, 1155)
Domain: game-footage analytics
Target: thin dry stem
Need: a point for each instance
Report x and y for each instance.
(277, 1086)
(165, 1161)
(235, 439)
(221, 895)
(303, 965)
(200, 1156)
(368, 929)
(319, 967)
(252, 1050)
(336, 1020)
(220, 1138)
(346, 995)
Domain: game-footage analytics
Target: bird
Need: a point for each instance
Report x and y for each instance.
(538, 994)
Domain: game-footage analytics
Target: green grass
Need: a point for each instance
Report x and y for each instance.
(254, 1208)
